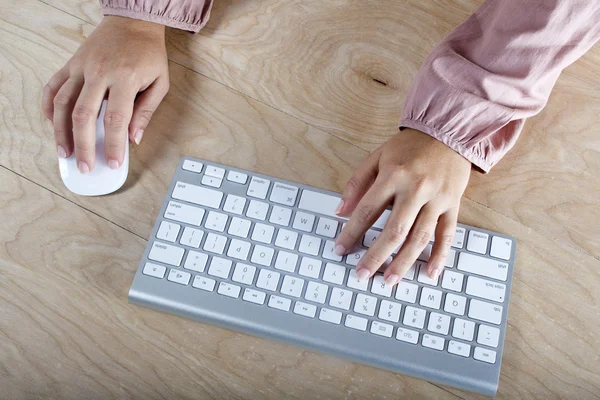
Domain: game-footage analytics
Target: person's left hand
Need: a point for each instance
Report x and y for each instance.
(424, 180)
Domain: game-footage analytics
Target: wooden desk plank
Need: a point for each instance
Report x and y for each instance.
(266, 49)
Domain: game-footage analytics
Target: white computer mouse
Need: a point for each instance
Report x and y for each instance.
(101, 180)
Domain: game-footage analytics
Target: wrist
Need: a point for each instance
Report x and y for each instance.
(134, 25)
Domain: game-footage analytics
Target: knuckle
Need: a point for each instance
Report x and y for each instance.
(98, 69)
(113, 119)
(353, 184)
(446, 240)
(372, 260)
(112, 147)
(395, 234)
(83, 150)
(60, 134)
(61, 100)
(146, 115)
(364, 214)
(82, 114)
(421, 184)
(421, 237)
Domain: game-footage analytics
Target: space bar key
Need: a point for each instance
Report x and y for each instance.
(326, 204)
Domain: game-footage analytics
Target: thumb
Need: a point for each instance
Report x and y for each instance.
(359, 183)
(145, 106)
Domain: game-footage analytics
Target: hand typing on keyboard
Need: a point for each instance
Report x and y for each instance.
(423, 180)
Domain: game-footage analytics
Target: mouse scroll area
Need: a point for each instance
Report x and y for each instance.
(101, 180)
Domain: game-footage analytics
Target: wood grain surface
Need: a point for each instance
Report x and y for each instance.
(66, 262)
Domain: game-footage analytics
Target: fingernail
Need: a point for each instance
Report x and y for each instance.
(83, 167)
(137, 138)
(113, 164)
(392, 279)
(339, 250)
(62, 153)
(362, 274)
(435, 273)
(339, 207)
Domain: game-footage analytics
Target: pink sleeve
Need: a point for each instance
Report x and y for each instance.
(476, 88)
(189, 15)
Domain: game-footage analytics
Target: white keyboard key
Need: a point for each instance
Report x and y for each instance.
(254, 296)
(381, 329)
(381, 287)
(197, 195)
(268, 280)
(438, 323)
(237, 177)
(215, 243)
(354, 322)
(459, 238)
(216, 172)
(414, 317)
(286, 261)
(486, 312)
(327, 227)
(340, 298)
(211, 181)
(426, 253)
(168, 231)
(390, 311)
(216, 221)
(166, 253)
(329, 253)
(455, 304)
(280, 216)
(258, 187)
(154, 270)
(331, 316)
(354, 257)
(334, 274)
(355, 283)
(488, 335)
(305, 309)
(263, 233)
(485, 289)
(458, 348)
(310, 245)
(234, 204)
(239, 227)
(279, 303)
(316, 292)
(463, 329)
(257, 210)
(184, 213)
(310, 267)
(196, 261)
(219, 267)
(243, 273)
(430, 298)
(423, 277)
(407, 335)
(183, 278)
(501, 247)
(203, 283)
(482, 266)
(229, 290)
(406, 292)
(192, 166)
(477, 242)
(485, 355)
(238, 249)
(191, 237)
(286, 239)
(452, 281)
(433, 342)
(450, 259)
(262, 255)
(370, 237)
(410, 274)
(284, 194)
(303, 221)
(292, 286)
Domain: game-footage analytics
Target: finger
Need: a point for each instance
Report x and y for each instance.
(50, 90)
(84, 124)
(116, 122)
(444, 233)
(145, 106)
(417, 239)
(366, 213)
(359, 184)
(394, 233)
(63, 104)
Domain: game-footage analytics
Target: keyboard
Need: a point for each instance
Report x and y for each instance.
(254, 253)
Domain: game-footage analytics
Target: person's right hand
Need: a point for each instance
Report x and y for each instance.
(123, 59)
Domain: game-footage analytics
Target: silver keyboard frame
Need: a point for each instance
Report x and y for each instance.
(311, 333)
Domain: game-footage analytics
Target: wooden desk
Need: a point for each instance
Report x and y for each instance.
(250, 91)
